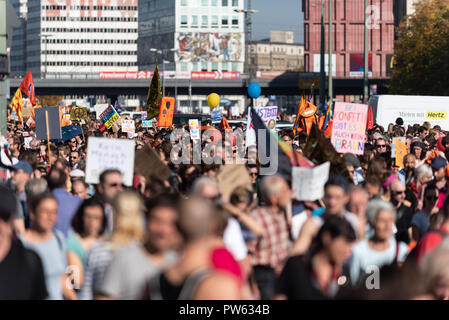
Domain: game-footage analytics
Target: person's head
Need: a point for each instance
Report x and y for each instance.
(373, 186)
(44, 212)
(56, 179)
(358, 200)
(381, 216)
(21, 174)
(335, 238)
(64, 152)
(206, 187)
(409, 162)
(397, 192)
(80, 189)
(275, 191)
(241, 197)
(417, 148)
(336, 194)
(8, 207)
(128, 218)
(72, 143)
(34, 188)
(423, 174)
(438, 166)
(434, 269)
(90, 219)
(423, 132)
(431, 195)
(253, 172)
(110, 184)
(74, 158)
(162, 216)
(381, 145)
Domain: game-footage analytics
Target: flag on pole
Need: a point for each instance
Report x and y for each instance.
(17, 104)
(301, 106)
(369, 119)
(326, 118)
(224, 124)
(27, 87)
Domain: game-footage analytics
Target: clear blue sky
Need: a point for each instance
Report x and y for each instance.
(277, 15)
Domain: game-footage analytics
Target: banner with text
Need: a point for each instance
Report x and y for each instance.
(267, 114)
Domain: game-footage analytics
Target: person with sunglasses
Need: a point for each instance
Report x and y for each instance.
(381, 146)
(421, 220)
(403, 208)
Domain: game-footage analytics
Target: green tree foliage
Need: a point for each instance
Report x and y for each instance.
(421, 65)
(154, 96)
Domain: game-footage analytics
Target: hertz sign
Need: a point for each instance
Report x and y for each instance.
(436, 114)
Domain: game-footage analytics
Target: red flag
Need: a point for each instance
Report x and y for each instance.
(369, 119)
(27, 87)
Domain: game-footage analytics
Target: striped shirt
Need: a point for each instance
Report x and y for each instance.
(271, 249)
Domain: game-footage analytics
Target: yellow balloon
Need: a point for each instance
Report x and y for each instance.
(213, 100)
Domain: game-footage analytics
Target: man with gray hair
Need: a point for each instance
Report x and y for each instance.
(271, 248)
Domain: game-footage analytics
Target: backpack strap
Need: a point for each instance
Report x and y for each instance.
(192, 282)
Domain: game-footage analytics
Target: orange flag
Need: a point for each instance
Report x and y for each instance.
(224, 124)
(301, 106)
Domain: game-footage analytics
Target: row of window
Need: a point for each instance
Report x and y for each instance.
(86, 8)
(213, 3)
(90, 63)
(94, 19)
(91, 41)
(102, 30)
(204, 66)
(90, 52)
(213, 20)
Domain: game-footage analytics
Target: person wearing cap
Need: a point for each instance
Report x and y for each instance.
(418, 149)
(438, 166)
(336, 198)
(19, 177)
(21, 269)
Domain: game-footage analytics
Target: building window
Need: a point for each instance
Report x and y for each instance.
(194, 66)
(204, 20)
(224, 21)
(235, 66)
(204, 3)
(194, 20)
(184, 67)
(214, 3)
(215, 20)
(184, 3)
(214, 66)
(224, 3)
(183, 20)
(203, 66)
(224, 66)
(235, 20)
(235, 3)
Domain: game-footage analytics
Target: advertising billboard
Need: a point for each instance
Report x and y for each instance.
(357, 63)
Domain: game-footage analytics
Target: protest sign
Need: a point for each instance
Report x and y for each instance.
(401, 151)
(308, 183)
(231, 176)
(166, 112)
(128, 126)
(109, 116)
(194, 129)
(99, 108)
(77, 114)
(348, 131)
(103, 154)
(216, 114)
(143, 115)
(393, 145)
(147, 123)
(54, 123)
(268, 115)
(148, 164)
(27, 141)
(235, 111)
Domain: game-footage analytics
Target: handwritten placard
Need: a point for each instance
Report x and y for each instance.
(104, 153)
(308, 183)
(194, 128)
(401, 151)
(128, 126)
(348, 131)
(109, 116)
(268, 115)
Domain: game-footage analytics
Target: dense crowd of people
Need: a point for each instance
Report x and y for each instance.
(380, 232)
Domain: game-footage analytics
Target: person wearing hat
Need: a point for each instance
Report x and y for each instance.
(418, 149)
(19, 177)
(438, 166)
(21, 270)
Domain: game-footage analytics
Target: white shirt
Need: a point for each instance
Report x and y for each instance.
(233, 239)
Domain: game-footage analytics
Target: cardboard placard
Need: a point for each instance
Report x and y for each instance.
(147, 163)
(78, 113)
(104, 153)
(235, 111)
(128, 126)
(268, 115)
(308, 183)
(194, 128)
(216, 114)
(348, 131)
(109, 116)
(54, 123)
(401, 151)
(231, 176)
(393, 145)
(166, 112)
(99, 109)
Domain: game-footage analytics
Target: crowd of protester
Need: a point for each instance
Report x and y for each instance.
(380, 234)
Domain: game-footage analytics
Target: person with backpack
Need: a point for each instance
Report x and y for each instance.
(49, 244)
(380, 249)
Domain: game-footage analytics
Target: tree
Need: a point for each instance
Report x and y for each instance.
(421, 65)
(154, 96)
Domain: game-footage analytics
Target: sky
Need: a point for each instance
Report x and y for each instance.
(277, 15)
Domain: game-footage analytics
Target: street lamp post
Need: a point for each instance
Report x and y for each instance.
(365, 68)
(330, 53)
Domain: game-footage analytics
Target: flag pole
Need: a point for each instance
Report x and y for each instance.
(48, 137)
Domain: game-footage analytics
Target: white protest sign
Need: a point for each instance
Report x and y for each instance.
(268, 115)
(27, 141)
(99, 108)
(104, 153)
(308, 183)
(194, 129)
(393, 146)
(235, 111)
(128, 126)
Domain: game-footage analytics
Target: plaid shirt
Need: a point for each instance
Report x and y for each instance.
(271, 249)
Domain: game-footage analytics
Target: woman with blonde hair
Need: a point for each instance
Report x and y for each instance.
(129, 226)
